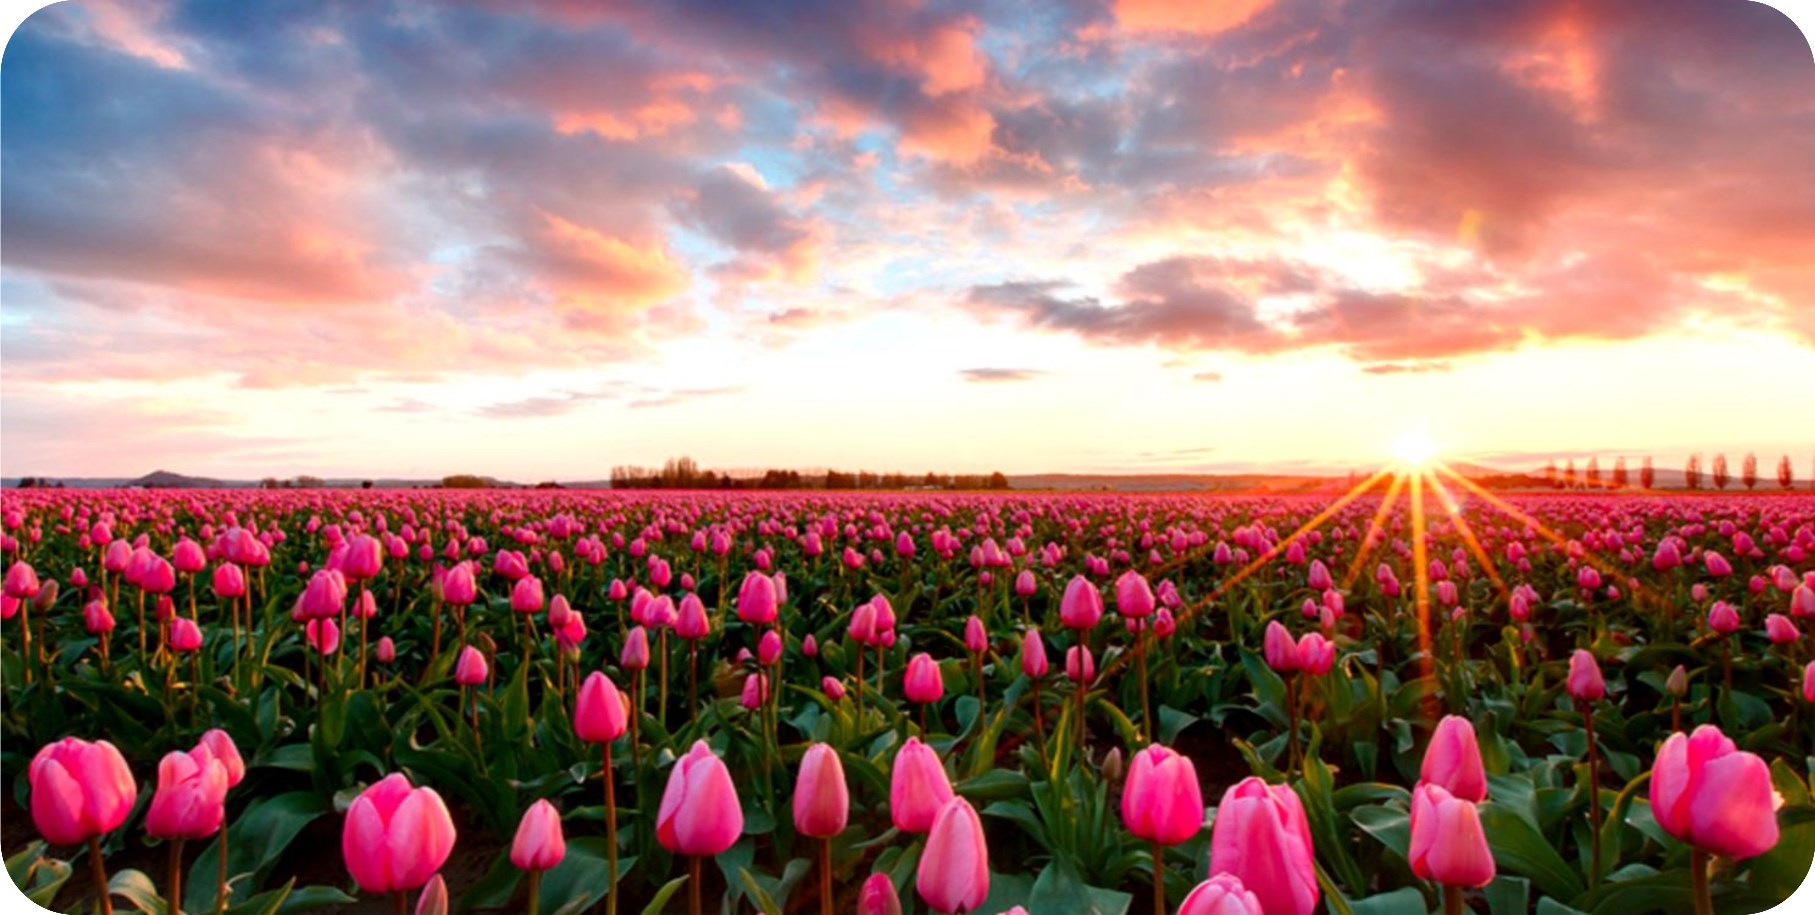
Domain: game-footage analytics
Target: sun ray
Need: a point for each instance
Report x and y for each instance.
(1375, 527)
(1421, 576)
(1467, 533)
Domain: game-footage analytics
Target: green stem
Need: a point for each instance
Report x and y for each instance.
(611, 837)
(1594, 799)
(173, 887)
(1698, 877)
(1452, 900)
(1159, 878)
(98, 868)
(693, 885)
(825, 876)
(535, 893)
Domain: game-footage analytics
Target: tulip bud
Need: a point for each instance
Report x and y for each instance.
(539, 844)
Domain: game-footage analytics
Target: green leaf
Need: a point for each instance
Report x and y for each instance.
(1778, 872)
(758, 895)
(1392, 826)
(1396, 902)
(1508, 896)
(1060, 890)
(310, 898)
(137, 889)
(659, 902)
(1519, 847)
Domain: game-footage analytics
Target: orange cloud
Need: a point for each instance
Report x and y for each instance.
(1198, 17)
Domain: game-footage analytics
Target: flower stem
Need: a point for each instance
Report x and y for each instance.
(99, 869)
(693, 884)
(1159, 878)
(611, 837)
(1698, 877)
(535, 893)
(1594, 799)
(825, 876)
(173, 887)
(1452, 900)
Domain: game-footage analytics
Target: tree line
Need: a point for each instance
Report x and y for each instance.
(685, 473)
(1718, 474)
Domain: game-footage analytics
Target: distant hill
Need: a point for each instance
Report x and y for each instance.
(164, 479)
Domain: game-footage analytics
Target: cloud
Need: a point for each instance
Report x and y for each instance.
(1207, 375)
(998, 375)
(664, 398)
(1406, 368)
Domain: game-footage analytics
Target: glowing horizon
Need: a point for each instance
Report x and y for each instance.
(1099, 236)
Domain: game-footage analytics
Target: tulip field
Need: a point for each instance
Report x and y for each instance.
(1412, 696)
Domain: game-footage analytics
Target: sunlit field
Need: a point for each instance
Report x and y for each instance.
(1410, 696)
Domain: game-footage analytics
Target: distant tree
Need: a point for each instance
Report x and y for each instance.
(1594, 472)
(1569, 474)
(1748, 471)
(1647, 475)
(365, 484)
(28, 483)
(305, 481)
(1786, 475)
(1692, 472)
(1719, 474)
(463, 481)
(1550, 474)
(998, 481)
(1619, 472)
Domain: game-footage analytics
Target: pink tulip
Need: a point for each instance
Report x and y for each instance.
(1033, 655)
(690, 620)
(1585, 683)
(1723, 618)
(396, 836)
(1448, 846)
(433, 900)
(21, 581)
(1316, 654)
(323, 635)
(1780, 630)
(1262, 838)
(1025, 584)
(157, 577)
(458, 587)
(222, 747)
(1280, 651)
(954, 867)
(1162, 802)
(191, 797)
(539, 844)
(1133, 596)
(1453, 760)
(768, 648)
(809, 646)
(1802, 602)
(1716, 564)
(976, 640)
(635, 654)
(229, 581)
(185, 635)
(756, 599)
(387, 650)
(559, 612)
(526, 595)
(1080, 666)
(833, 689)
(878, 895)
(601, 713)
(700, 815)
(95, 617)
(1082, 605)
(918, 787)
(1808, 682)
(471, 669)
(1222, 894)
(756, 691)
(79, 790)
(822, 801)
(922, 682)
(1710, 794)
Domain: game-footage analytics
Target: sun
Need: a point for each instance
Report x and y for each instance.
(1415, 448)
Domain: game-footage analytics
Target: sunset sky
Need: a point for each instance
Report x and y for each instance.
(539, 239)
